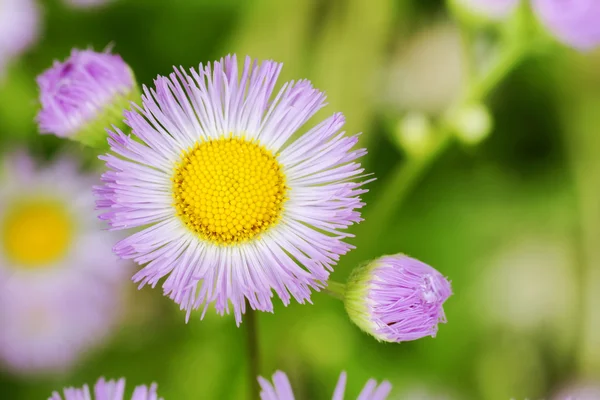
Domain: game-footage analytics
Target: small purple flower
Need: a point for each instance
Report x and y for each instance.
(397, 298)
(19, 28)
(281, 389)
(84, 94)
(228, 205)
(111, 390)
(574, 22)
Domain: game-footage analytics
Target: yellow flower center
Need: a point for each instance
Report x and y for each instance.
(36, 234)
(228, 190)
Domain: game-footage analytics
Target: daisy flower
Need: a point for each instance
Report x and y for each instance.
(230, 205)
(83, 95)
(107, 390)
(19, 28)
(281, 389)
(397, 298)
(59, 282)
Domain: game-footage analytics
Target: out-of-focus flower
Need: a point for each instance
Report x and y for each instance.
(87, 3)
(111, 390)
(397, 298)
(231, 208)
(84, 95)
(529, 285)
(579, 391)
(281, 389)
(19, 28)
(427, 74)
(59, 282)
(494, 9)
(574, 22)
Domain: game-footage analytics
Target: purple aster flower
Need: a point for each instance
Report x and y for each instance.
(111, 390)
(281, 389)
(59, 282)
(19, 28)
(574, 22)
(397, 298)
(85, 94)
(228, 205)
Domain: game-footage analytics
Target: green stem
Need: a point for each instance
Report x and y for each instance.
(406, 175)
(253, 354)
(335, 289)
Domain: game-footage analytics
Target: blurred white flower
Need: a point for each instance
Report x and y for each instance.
(427, 73)
(529, 284)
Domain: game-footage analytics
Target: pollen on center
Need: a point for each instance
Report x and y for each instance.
(228, 190)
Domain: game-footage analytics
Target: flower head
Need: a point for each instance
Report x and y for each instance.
(19, 28)
(229, 206)
(111, 390)
(84, 94)
(574, 22)
(281, 389)
(59, 282)
(397, 298)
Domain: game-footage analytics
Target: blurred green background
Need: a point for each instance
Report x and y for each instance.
(513, 221)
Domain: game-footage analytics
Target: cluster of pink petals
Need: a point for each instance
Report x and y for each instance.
(281, 389)
(76, 91)
(107, 390)
(405, 298)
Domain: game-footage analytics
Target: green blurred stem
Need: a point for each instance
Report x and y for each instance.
(406, 175)
(253, 354)
(335, 289)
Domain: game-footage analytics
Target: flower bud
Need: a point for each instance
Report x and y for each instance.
(84, 95)
(414, 134)
(397, 298)
(472, 124)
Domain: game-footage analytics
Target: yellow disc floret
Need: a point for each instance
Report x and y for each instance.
(228, 190)
(36, 233)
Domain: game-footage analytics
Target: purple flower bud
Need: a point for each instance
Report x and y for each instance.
(397, 298)
(85, 94)
(573, 22)
(111, 390)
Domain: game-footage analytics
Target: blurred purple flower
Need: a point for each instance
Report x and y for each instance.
(60, 284)
(397, 298)
(19, 28)
(574, 22)
(229, 206)
(111, 390)
(84, 94)
(281, 389)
